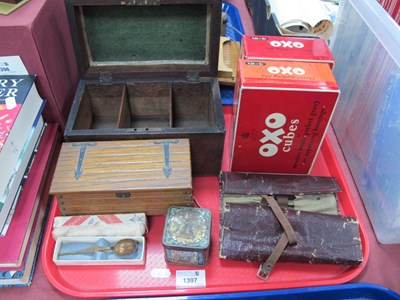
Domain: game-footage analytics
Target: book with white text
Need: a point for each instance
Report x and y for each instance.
(12, 65)
(20, 108)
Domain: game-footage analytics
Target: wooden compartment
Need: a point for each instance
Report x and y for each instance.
(145, 106)
(153, 78)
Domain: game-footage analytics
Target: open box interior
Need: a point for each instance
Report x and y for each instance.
(146, 105)
(121, 46)
(148, 70)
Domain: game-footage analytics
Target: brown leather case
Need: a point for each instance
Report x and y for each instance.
(301, 192)
(276, 184)
(250, 232)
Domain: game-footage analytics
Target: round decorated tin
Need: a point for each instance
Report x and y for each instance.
(186, 236)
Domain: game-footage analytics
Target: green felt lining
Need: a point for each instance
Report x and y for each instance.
(146, 33)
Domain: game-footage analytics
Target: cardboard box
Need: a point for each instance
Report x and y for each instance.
(51, 52)
(134, 224)
(66, 248)
(286, 48)
(281, 112)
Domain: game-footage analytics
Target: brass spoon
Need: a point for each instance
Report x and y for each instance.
(122, 247)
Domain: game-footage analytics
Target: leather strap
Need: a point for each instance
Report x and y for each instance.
(287, 237)
(283, 220)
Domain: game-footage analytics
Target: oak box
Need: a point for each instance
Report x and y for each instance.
(112, 177)
(148, 71)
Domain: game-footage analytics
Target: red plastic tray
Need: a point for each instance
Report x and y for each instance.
(221, 275)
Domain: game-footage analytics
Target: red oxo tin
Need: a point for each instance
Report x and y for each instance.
(286, 48)
(281, 112)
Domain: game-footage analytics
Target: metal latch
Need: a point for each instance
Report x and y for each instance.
(167, 168)
(123, 194)
(105, 77)
(140, 2)
(192, 77)
(82, 150)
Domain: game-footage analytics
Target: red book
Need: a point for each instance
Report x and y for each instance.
(14, 243)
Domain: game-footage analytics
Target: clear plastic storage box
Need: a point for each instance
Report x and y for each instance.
(366, 46)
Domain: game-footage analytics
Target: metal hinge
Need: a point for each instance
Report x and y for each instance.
(105, 77)
(192, 77)
(140, 2)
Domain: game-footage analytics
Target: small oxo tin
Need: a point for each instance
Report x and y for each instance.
(303, 49)
(186, 236)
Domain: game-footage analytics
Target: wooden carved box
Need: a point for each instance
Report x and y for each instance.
(110, 177)
(148, 71)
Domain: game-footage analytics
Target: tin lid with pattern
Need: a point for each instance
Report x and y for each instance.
(187, 227)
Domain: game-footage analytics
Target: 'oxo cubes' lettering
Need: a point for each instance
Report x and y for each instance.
(281, 111)
(271, 140)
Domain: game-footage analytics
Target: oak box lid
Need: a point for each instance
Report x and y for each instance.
(145, 38)
(119, 166)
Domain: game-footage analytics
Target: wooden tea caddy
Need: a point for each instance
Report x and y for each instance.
(148, 71)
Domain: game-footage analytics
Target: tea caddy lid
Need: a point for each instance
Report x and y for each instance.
(123, 39)
(188, 227)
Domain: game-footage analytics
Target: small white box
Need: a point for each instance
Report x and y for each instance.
(107, 257)
(132, 224)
